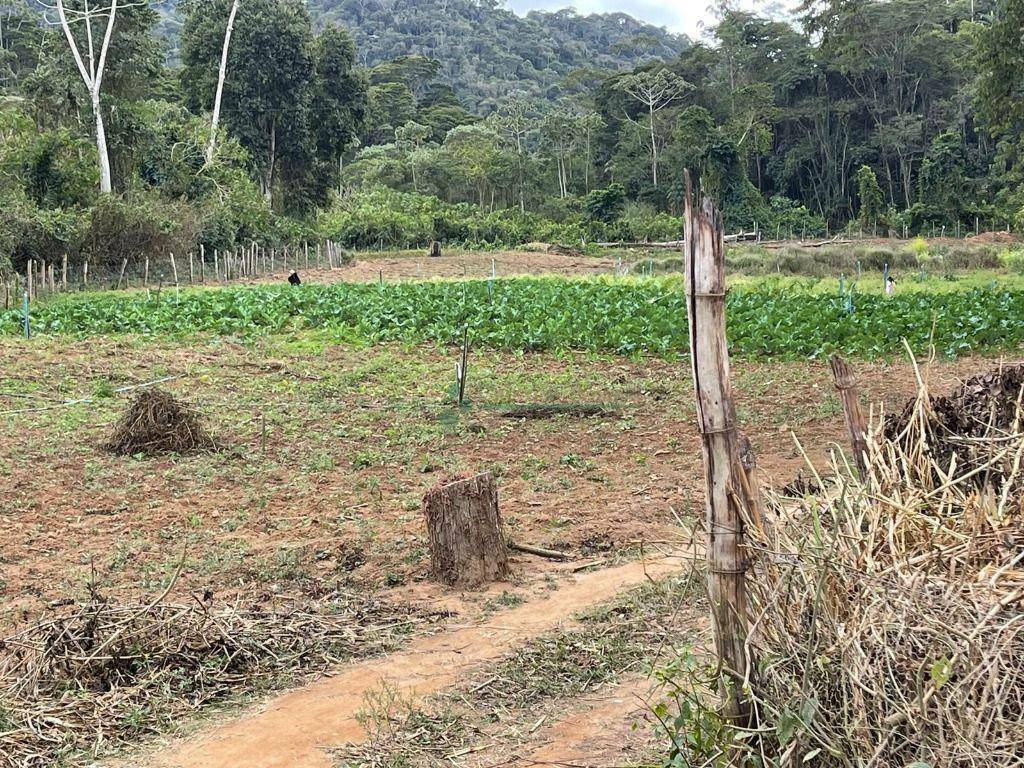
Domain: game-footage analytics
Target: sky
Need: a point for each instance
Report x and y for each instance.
(681, 16)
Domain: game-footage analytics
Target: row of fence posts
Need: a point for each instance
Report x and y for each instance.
(42, 278)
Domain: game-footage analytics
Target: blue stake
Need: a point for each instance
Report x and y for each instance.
(28, 324)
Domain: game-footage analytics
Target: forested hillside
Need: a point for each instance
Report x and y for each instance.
(901, 116)
(487, 52)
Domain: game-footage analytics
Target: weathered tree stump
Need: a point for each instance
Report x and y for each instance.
(467, 544)
(435, 249)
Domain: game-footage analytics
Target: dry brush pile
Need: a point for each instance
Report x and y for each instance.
(157, 423)
(99, 675)
(886, 612)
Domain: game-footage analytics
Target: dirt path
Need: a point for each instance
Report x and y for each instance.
(598, 732)
(295, 729)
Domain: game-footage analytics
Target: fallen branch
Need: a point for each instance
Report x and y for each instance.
(529, 549)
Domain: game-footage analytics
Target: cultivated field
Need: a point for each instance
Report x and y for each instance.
(329, 431)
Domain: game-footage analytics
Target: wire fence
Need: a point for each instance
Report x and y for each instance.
(43, 279)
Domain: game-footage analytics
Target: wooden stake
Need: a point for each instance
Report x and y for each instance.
(145, 274)
(856, 424)
(174, 270)
(463, 367)
(85, 273)
(29, 279)
(724, 479)
(191, 269)
(124, 266)
(64, 273)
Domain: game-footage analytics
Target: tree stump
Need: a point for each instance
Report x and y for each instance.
(435, 249)
(467, 544)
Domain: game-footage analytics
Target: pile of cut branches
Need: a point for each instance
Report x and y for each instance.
(887, 613)
(101, 674)
(157, 423)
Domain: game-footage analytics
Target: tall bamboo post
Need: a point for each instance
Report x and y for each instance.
(856, 424)
(725, 483)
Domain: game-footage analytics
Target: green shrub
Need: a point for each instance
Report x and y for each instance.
(129, 228)
(604, 204)
(1013, 258)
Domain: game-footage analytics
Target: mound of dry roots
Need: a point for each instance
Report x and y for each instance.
(887, 612)
(156, 423)
(101, 674)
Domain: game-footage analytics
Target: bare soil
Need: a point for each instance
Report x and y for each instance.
(409, 265)
(329, 449)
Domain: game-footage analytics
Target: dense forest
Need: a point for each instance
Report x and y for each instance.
(394, 122)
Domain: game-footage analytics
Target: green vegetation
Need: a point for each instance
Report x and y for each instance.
(488, 128)
(626, 316)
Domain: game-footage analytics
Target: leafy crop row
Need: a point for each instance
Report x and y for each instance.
(621, 316)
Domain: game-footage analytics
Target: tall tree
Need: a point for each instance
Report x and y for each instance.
(339, 98)
(92, 66)
(222, 73)
(267, 99)
(655, 90)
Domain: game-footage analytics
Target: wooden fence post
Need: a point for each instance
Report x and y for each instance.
(846, 384)
(174, 270)
(725, 483)
(64, 273)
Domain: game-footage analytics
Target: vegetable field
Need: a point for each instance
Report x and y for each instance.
(622, 316)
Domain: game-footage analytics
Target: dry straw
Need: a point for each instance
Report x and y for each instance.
(886, 613)
(101, 674)
(156, 423)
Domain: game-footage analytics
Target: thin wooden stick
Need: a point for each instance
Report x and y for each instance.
(856, 425)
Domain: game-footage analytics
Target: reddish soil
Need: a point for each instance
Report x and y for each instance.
(331, 501)
(451, 264)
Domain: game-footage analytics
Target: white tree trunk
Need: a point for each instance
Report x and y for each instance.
(220, 83)
(654, 150)
(106, 186)
(268, 175)
(92, 76)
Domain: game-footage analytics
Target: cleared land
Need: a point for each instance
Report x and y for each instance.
(328, 443)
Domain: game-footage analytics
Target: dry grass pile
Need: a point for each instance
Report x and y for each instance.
(156, 423)
(962, 429)
(102, 674)
(887, 613)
